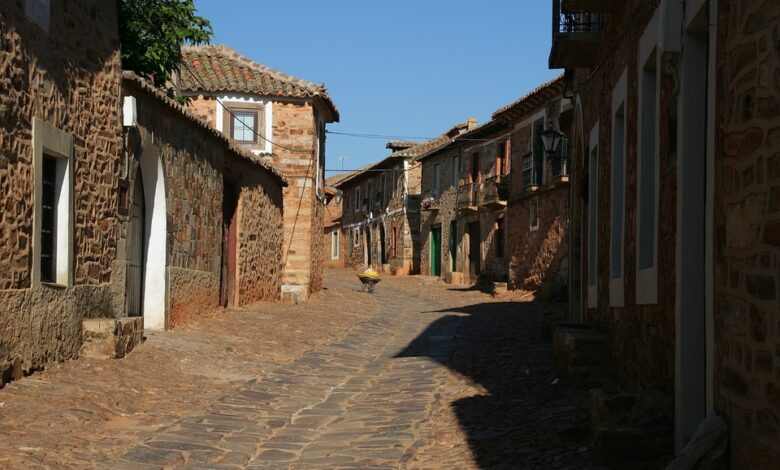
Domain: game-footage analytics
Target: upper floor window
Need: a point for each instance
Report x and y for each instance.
(357, 199)
(244, 126)
(500, 237)
(528, 170)
(475, 176)
(538, 153)
(436, 180)
(39, 12)
(455, 170)
(502, 158)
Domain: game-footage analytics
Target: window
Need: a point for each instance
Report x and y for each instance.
(39, 12)
(351, 242)
(368, 197)
(617, 193)
(436, 180)
(538, 153)
(499, 237)
(382, 189)
(502, 160)
(593, 205)
(357, 236)
(53, 211)
(357, 199)
(243, 126)
(533, 211)
(455, 170)
(528, 170)
(475, 175)
(334, 245)
(647, 180)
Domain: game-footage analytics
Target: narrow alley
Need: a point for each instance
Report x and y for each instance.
(419, 375)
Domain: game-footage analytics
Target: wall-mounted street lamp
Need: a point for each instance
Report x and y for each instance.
(551, 138)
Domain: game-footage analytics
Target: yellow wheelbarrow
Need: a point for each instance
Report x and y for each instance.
(370, 279)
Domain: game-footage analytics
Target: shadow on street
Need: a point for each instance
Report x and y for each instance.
(530, 418)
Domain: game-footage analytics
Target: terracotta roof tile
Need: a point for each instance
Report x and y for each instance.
(158, 94)
(215, 68)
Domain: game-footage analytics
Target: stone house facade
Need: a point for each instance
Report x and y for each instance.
(538, 204)
(201, 218)
(281, 119)
(60, 141)
(380, 207)
(674, 194)
(332, 224)
(464, 226)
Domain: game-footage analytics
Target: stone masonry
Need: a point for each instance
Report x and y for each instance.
(297, 112)
(63, 70)
(197, 163)
(747, 230)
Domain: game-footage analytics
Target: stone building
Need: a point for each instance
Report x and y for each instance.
(200, 217)
(279, 118)
(674, 233)
(332, 224)
(60, 141)
(464, 225)
(381, 219)
(537, 213)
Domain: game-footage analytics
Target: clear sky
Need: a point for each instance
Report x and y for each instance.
(395, 67)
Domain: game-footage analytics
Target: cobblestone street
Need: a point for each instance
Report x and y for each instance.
(419, 375)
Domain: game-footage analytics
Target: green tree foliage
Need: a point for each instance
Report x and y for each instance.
(151, 33)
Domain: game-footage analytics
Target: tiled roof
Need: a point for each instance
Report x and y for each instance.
(149, 88)
(215, 68)
(415, 150)
(531, 100)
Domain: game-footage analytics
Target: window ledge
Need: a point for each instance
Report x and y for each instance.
(54, 285)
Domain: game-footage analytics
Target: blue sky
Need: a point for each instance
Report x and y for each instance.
(400, 67)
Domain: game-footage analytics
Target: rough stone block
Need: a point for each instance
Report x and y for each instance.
(581, 353)
(631, 427)
(109, 338)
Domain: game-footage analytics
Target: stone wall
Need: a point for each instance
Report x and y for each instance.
(539, 257)
(196, 163)
(747, 230)
(642, 336)
(295, 131)
(69, 77)
(443, 215)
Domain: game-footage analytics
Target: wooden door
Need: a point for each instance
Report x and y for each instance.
(135, 266)
(436, 251)
(474, 247)
(229, 245)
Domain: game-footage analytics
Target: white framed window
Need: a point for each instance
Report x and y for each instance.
(334, 245)
(53, 210)
(247, 120)
(533, 213)
(593, 217)
(618, 193)
(648, 168)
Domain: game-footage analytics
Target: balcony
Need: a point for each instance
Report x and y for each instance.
(577, 38)
(495, 191)
(573, 6)
(491, 193)
(468, 196)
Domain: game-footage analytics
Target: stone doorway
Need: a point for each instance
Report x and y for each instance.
(227, 291)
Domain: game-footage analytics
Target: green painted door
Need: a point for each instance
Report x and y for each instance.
(436, 251)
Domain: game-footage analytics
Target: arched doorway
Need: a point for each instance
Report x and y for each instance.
(155, 241)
